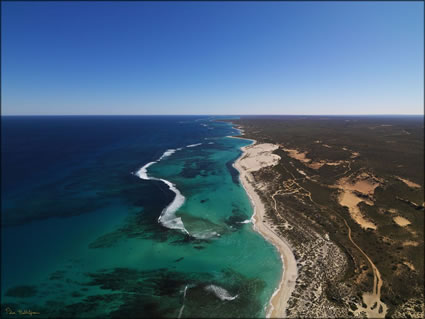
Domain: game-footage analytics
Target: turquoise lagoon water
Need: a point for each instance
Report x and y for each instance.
(89, 243)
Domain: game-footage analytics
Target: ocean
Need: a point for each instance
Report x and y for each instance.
(129, 217)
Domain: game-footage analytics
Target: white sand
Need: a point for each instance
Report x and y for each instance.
(255, 157)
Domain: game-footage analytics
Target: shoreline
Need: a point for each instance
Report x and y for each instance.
(279, 300)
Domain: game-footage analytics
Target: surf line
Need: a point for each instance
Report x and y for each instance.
(194, 145)
(168, 217)
(184, 298)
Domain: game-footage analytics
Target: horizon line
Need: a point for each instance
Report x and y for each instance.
(271, 114)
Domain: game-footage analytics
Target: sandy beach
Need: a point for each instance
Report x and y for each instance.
(255, 157)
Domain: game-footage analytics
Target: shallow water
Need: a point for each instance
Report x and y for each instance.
(81, 235)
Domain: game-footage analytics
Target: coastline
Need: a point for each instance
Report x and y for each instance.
(279, 300)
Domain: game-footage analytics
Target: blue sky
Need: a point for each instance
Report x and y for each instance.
(212, 58)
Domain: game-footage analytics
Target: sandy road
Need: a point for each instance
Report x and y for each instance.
(375, 308)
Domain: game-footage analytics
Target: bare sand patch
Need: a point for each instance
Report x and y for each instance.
(295, 154)
(410, 243)
(351, 201)
(319, 164)
(410, 265)
(301, 172)
(372, 311)
(408, 183)
(302, 157)
(364, 184)
(401, 221)
(355, 154)
(316, 165)
(337, 163)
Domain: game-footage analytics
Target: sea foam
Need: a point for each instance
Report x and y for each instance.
(168, 216)
(167, 153)
(184, 298)
(220, 292)
(205, 235)
(247, 221)
(194, 145)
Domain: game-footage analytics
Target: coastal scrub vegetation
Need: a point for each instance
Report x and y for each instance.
(356, 182)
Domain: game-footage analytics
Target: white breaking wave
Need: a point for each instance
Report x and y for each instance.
(143, 172)
(167, 153)
(205, 235)
(220, 292)
(246, 221)
(168, 216)
(184, 297)
(194, 145)
(211, 143)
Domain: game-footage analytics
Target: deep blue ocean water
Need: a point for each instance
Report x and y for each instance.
(81, 235)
